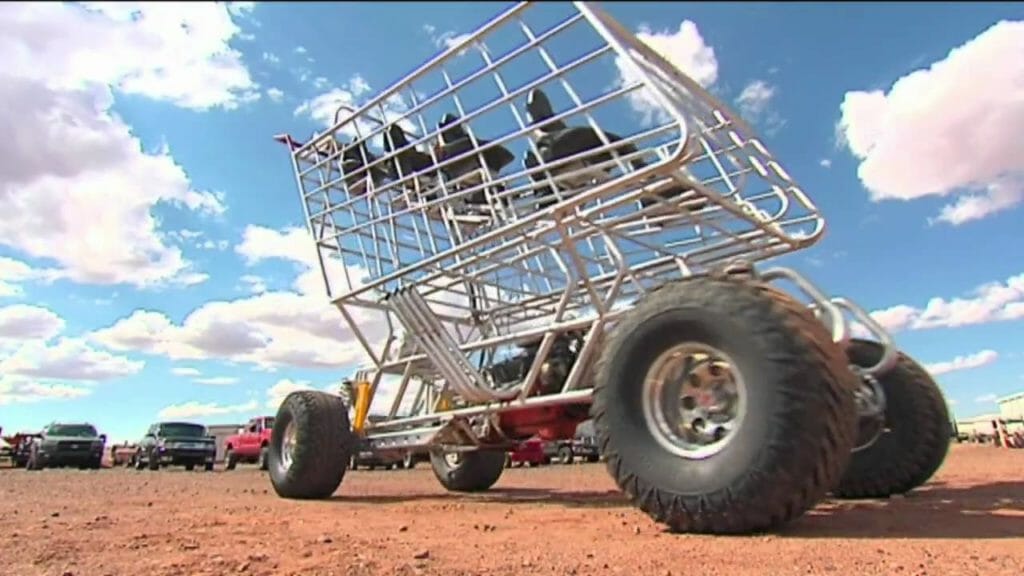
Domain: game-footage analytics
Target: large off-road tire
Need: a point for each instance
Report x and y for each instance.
(468, 471)
(153, 461)
(917, 430)
(794, 423)
(320, 444)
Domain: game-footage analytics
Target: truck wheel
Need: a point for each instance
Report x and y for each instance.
(137, 461)
(96, 464)
(565, 455)
(190, 467)
(723, 406)
(208, 467)
(153, 461)
(468, 471)
(408, 461)
(593, 458)
(230, 459)
(311, 445)
(915, 438)
(264, 452)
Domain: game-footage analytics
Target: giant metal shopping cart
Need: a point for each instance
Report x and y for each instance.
(547, 223)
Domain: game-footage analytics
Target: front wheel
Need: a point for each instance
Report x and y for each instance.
(468, 471)
(723, 406)
(914, 438)
(311, 445)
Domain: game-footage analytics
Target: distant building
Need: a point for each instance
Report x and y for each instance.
(976, 426)
(220, 432)
(1011, 409)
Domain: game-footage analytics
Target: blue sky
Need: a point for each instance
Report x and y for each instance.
(148, 278)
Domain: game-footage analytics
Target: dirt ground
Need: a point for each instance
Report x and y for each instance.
(564, 520)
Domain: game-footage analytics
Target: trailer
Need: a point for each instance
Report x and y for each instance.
(548, 222)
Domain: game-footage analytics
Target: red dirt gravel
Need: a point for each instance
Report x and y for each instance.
(561, 520)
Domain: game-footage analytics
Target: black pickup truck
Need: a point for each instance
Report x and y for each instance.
(62, 444)
(176, 444)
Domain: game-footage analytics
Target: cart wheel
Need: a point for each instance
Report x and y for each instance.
(723, 406)
(915, 438)
(468, 471)
(310, 446)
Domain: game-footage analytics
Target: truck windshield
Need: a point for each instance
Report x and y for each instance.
(183, 430)
(74, 430)
(268, 423)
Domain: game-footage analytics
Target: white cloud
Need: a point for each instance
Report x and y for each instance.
(269, 330)
(825, 163)
(686, 50)
(81, 185)
(991, 302)
(986, 399)
(322, 108)
(951, 128)
(20, 390)
(282, 388)
(275, 94)
(253, 283)
(271, 58)
(193, 409)
(15, 272)
(754, 103)
(300, 50)
(35, 367)
(185, 371)
(217, 380)
(968, 362)
(67, 359)
(23, 322)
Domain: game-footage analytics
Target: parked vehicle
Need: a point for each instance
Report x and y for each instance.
(531, 452)
(586, 447)
(6, 450)
(373, 460)
(21, 444)
(61, 444)
(249, 445)
(176, 444)
(123, 454)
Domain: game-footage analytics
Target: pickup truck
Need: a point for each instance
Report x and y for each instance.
(176, 444)
(62, 444)
(250, 444)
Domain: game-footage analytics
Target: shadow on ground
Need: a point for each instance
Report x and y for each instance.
(936, 511)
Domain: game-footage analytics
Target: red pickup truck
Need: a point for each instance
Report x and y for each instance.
(251, 443)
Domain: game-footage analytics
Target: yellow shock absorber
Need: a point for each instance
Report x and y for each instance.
(362, 405)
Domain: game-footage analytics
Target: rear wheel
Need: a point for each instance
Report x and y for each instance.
(190, 467)
(468, 471)
(230, 459)
(264, 452)
(914, 439)
(565, 455)
(723, 406)
(311, 445)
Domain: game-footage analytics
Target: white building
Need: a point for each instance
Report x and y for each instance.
(1011, 409)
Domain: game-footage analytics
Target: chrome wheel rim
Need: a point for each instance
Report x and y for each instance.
(288, 442)
(694, 400)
